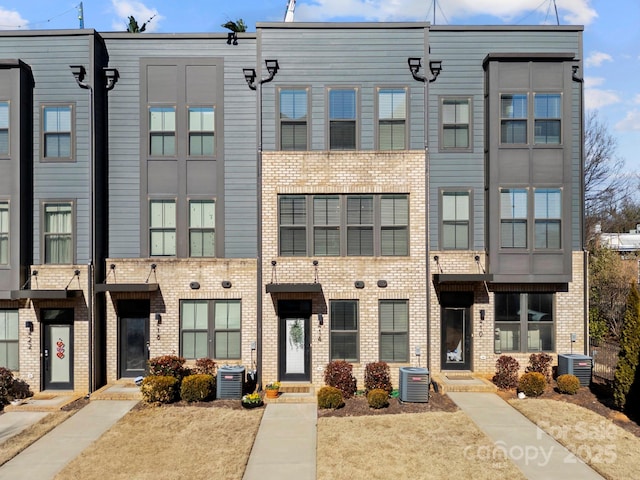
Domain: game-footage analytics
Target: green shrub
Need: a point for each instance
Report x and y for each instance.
(330, 397)
(506, 376)
(168, 365)
(6, 383)
(339, 374)
(377, 375)
(206, 366)
(378, 398)
(159, 389)
(198, 388)
(626, 379)
(532, 384)
(541, 363)
(569, 384)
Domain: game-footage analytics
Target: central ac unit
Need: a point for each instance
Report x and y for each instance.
(576, 364)
(414, 384)
(229, 381)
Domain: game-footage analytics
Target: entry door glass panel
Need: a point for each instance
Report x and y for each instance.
(454, 331)
(57, 348)
(135, 343)
(295, 351)
(59, 343)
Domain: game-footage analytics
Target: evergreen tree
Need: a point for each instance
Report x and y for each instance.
(625, 381)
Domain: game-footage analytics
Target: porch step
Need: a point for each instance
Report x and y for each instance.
(294, 393)
(44, 402)
(462, 382)
(121, 390)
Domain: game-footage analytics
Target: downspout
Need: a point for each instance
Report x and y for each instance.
(259, 240)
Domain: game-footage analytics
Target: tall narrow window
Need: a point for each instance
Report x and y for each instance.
(9, 339)
(456, 123)
(394, 330)
(293, 120)
(548, 217)
(162, 227)
(513, 114)
(4, 233)
(201, 131)
(227, 329)
(360, 225)
(392, 115)
(344, 330)
(58, 233)
(202, 224)
(4, 128)
(194, 326)
(162, 131)
(326, 225)
(394, 225)
(513, 218)
(56, 128)
(342, 119)
(455, 221)
(547, 112)
(293, 225)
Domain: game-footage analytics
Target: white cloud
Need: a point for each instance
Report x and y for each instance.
(637, 99)
(11, 20)
(629, 123)
(595, 98)
(595, 59)
(590, 82)
(126, 8)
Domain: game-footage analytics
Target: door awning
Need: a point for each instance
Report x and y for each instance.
(440, 278)
(61, 294)
(126, 287)
(294, 288)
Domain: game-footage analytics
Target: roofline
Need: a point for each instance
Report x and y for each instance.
(340, 25)
(48, 33)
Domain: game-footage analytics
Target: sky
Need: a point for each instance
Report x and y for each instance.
(611, 33)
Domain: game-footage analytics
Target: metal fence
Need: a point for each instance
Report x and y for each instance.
(605, 358)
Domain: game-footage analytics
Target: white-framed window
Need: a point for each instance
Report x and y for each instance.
(4, 128)
(202, 228)
(394, 330)
(210, 329)
(57, 132)
(9, 339)
(343, 119)
(58, 232)
(392, 118)
(456, 123)
(162, 227)
(344, 330)
(294, 129)
(201, 131)
(513, 118)
(547, 122)
(162, 131)
(548, 218)
(455, 231)
(524, 322)
(513, 217)
(4, 233)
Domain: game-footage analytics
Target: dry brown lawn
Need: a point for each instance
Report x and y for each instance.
(432, 445)
(607, 448)
(171, 443)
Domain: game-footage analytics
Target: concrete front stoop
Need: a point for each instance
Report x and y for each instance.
(294, 392)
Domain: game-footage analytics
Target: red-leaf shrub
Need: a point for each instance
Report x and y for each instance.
(506, 376)
(339, 374)
(377, 376)
(206, 366)
(6, 384)
(168, 365)
(541, 363)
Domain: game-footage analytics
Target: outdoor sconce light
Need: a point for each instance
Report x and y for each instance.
(359, 284)
(249, 76)
(194, 285)
(34, 273)
(250, 73)
(159, 318)
(382, 283)
(226, 284)
(435, 67)
(320, 320)
(482, 314)
(79, 73)
(29, 325)
(112, 75)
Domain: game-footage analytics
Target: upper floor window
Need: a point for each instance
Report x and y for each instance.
(513, 118)
(326, 225)
(342, 119)
(162, 227)
(548, 217)
(58, 233)
(455, 221)
(4, 233)
(293, 119)
(292, 221)
(57, 124)
(202, 224)
(394, 225)
(456, 123)
(547, 112)
(162, 131)
(394, 330)
(392, 117)
(9, 339)
(344, 330)
(360, 225)
(524, 322)
(4, 128)
(201, 131)
(513, 218)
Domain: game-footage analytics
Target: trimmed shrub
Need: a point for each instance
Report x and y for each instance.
(378, 398)
(6, 384)
(569, 384)
(330, 397)
(20, 389)
(168, 365)
(198, 388)
(377, 376)
(541, 363)
(532, 384)
(506, 376)
(339, 374)
(206, 366)
(159, 389)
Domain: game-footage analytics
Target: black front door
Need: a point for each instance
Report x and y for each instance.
(57, 348)
(455, 334)
(294, 345)
(133, 325)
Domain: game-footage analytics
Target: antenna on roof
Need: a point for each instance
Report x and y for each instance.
(291, 6)
(556, 8)
(81, 16)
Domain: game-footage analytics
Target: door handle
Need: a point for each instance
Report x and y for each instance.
(46, 353)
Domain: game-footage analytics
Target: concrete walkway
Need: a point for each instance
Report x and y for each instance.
(12, 423)
(534, 452)
(286, 441)
(46, 457)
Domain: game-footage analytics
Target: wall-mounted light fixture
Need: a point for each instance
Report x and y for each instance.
(250, 73)
(29, 325)
(111, 75)
(358, 284)
(382, 283)
(79, 72)
(159, 319)
(435, 67)
(320, 320)
(482, 314)
(226, 284)
(194, 285)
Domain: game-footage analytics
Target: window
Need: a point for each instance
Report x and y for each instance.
(455, 221)
(547, 112)
(392, 115)
(293, 119)
(394, 331)
(9, 339)
(202, 224)
(4, 233)
(344, 330)
(210, 329)
(162, 131)
(394, 225)
(162, 227)
(548, 215)
(513, 113)
(58, 233)
(201, 132)
(293, 225)
(4, 128)
(513, 218)
(326, 225)
(524, 322)
(342, 119)
(456, 120)
(56, 129)
(360, 225)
